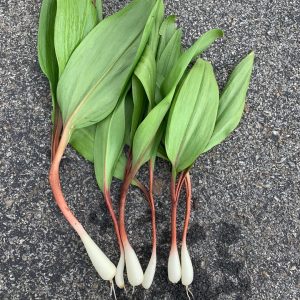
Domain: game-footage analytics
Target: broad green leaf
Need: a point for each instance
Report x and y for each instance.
(161, 152)
(128, 117)
(167, 60)
(146, 73)
(74, 20)
(155, 36)
(46, 50)
(139, 105)
(167, 30)
(82, 140)
(96, 76)
(109, 143)
(99, 9)
(144, 79)
(192, 116)
(232, 101)
(148, 134)
(120, 167)
(170, 55)
(200, 45)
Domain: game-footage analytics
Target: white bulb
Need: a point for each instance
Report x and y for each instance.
(133, 268)
(105, 268)
(186, 266)
(174, 268)
(120, 272)
(150, 271)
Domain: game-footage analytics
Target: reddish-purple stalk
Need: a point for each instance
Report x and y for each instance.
(149, 196)
(57, 130)
(180, 183)
(134, 270)
(58, 147)
(109, 205)
(174, 203)
(185, 178)
(54, 180)
(152, 206)
(150, 199)
(175, 191)
(129, 176)
(142, 188)
(188, 188)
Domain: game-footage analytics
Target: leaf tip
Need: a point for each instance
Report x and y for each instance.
(251, 54)
(250, 57)
(219, 32)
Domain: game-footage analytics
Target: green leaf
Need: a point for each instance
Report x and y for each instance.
(167, 30)
(46, 50)
(167, 60)
(128, 117)
(148, 134)
(232, 101)
(144, 79)
(109, 143)
(155, 36)
(120, 167)
(139, 105)
(99, 9)
(96, 76)
(200, 45)
(74, 20)
(161, 152)
(192, 116)
(146, 73)
(82, 140)
(170, 55)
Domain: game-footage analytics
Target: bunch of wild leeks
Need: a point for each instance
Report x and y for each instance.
(125, 80)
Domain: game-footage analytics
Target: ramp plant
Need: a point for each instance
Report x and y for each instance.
(124, 94)
(89, 89)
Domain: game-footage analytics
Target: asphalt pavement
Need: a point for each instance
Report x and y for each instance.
(244, 231)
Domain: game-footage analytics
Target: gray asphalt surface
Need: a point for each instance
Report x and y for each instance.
(244, 233)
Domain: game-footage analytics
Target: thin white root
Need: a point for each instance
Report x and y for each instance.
(189, 292)
(133, 290)
(112, 289)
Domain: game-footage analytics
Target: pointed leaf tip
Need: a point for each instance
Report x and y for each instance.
(232, 101)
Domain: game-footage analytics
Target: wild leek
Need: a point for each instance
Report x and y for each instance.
(125, 80)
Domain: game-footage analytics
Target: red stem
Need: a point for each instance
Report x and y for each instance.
(142, 188)
(180, 183)
(54, 180)
(152, 205)
(188, 187)
(128, 177)
(174, 213)
(108, 202)
(57, 130)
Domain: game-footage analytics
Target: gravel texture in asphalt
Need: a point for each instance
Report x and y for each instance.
(244, 231)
